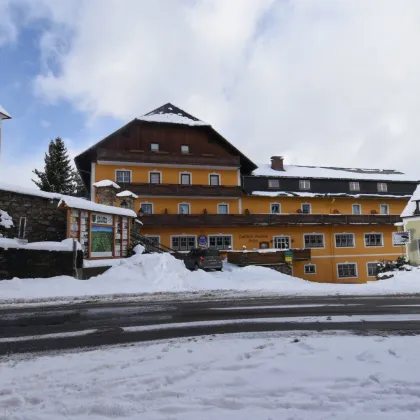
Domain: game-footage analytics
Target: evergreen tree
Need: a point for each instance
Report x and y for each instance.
(79, 189)
(58, 175)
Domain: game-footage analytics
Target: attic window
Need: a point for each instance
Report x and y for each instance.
(354, 186)
(304, 184)
(154, 147)
(273, 183)
(185, 148)
(382, 187)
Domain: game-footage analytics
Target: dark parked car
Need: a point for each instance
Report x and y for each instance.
(204, 258)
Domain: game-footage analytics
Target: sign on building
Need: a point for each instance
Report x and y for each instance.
(401, 238)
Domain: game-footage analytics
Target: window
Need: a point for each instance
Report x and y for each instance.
(22, 228)
(185, 148)
(182, 243)
(185, 179)
(222, 209)
(356, 209)
(382, 187)
(354, 186)
(273, 183)
(146, 208)
(344, 240)
(154, 177)
(281, 242)
(372, 269)
(214, 179)
(184, 208)
(220, 241)
(304, 184)
(384, 209)
(123, 176)
(373, 239)
(314, 240)
(154, 147)
(309, 269)
(306, 208)
(275, 208)
(347, 270)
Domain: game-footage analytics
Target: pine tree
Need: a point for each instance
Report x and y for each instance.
(79, 189)
(58, 175)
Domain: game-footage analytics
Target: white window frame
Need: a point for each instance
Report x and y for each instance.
(367, 267)
(148, 203)
(215, 174)
(354, 186)
(155, 172)
(373, 233)
(223, 235)
(158, 147)
(314, 233)
(273, 180)
(275, 204)
(123, 170)
(309, 265)
(275, 237)
(306, 204)
(184, 204)
(387, 208)
(185, 173)
(344, 233)
(22, 220)
(381, 188)
(352, 209)
(348, 263)
(188, 149)
(223, 204)
(304, 184)
(183, 236)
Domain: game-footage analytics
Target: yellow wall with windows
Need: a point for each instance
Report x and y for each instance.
(326, 259)
(169, 175)
(197, 205)
(322, 205)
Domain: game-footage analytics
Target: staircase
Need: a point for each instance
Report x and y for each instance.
(152, 246)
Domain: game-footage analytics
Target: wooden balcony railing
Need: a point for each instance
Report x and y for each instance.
(266, 219)
(184, 190)
(166, 158)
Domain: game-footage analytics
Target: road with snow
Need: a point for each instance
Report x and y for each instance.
(43, 328)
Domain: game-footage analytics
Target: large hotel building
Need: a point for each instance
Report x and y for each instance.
(192, 187)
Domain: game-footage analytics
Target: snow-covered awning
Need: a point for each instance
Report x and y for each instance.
(81, 204)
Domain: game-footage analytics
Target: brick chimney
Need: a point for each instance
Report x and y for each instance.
(106, 192)
(277, 163)
(127, 199)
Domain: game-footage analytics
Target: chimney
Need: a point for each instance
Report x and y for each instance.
(106, 192)
(277, 163)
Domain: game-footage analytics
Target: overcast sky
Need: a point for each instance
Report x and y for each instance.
(325, 82)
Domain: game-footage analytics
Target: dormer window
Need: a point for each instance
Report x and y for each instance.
(185, 148)
(273, 183)
(382, 187)
(154, 147)
(354, 186)
(304, 184)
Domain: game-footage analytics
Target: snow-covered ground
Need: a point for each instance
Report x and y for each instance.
(237, 377)
(161, 273)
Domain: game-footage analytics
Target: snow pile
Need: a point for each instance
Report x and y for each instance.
(106, 183)
(242, 376)
(156, 273)
(5, 220)
(66, 245)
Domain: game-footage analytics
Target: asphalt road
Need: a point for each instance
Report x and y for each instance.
(47, 328)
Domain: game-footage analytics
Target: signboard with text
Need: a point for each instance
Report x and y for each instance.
(401, 238)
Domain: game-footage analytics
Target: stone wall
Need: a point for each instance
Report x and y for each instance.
(31, 263)
(44, 222)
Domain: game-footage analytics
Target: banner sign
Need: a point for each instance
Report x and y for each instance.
(401, 238)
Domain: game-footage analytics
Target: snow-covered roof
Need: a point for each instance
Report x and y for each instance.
(65, 245)
(4, 114)
(127, 193)
(169, 113)
(106, 183)
(308, 172)
(313, 195)
(73, 202)
(411, 205)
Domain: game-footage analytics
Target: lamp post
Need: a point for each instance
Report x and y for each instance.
(4, 115)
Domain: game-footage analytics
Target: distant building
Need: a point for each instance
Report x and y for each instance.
(411, 220)
(4, 115)
(192, 187)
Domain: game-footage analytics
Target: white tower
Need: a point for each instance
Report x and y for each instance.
(3, 116)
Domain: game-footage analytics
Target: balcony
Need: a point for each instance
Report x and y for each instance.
(227, 220)
(167, 158)
(180, 190)
(268, 258)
